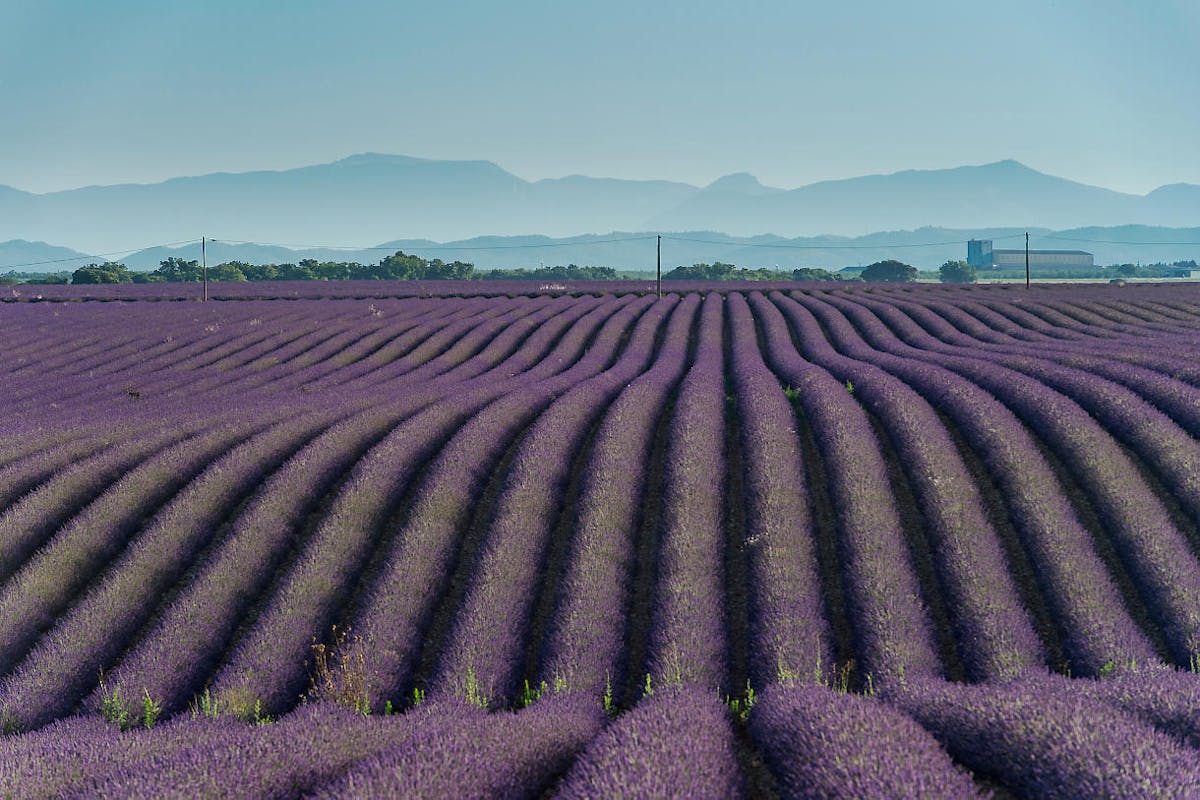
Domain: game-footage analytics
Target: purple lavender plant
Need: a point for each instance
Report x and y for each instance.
(587, 637)
(1095, 627)
(678, 742)
(822, 744)
(891, 627)
(496, 755)
(269, 661)
(493, 625)
(688, 637)
(993, 631)
(1046, 743)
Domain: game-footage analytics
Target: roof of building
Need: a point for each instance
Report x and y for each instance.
(1042, 252)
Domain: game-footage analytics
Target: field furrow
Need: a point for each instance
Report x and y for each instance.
(742, 540)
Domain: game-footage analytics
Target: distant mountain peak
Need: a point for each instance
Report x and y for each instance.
(372, 197)
(1173, 189)
(740, 183)
(395, 160)
(376, 158)
(1008, 163)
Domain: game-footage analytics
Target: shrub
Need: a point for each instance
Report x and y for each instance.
(890, 271)
(340, 672)
(956, 272)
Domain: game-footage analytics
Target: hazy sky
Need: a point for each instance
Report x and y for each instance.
(1102, 91)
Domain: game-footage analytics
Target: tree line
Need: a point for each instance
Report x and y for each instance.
(719, 271)
(400, 266)
(397, 266)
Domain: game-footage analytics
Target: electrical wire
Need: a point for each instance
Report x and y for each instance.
(441, 247)
(611, 240)
(785, 246)
(94, 256)
(1111, 241)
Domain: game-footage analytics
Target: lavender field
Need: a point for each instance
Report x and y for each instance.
(781, 540)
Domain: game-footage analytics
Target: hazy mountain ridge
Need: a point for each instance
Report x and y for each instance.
(372, 197)
(1003, 193)
(38, 257)
(926, 248)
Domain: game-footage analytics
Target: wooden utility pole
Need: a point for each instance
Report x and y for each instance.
(204, 264)
(1026, 259)
(658, 271)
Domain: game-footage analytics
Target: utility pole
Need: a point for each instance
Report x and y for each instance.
(204, 264)
(658, 271)
(1026, 259)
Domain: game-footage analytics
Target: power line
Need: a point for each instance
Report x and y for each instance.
(1111, 241)
(786, 246)
(392, 249)
(94, 256)
(442, 247)
(584, 243)
(299, 246)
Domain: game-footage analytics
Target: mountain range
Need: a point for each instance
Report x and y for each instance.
(926, 248)
(379, 198)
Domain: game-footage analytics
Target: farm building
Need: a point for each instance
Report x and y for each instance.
(981, 255)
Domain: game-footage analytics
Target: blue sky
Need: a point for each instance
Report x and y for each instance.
(1100, 91)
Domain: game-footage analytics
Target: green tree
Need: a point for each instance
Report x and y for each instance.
(226, 272)
(91, 274)
(570, 272)
(367, 272)
(957, 272)
(332, 271)
(257, 272)
(597, 273)
(178, 270)
(454, 271)
(813, 274)
(402, 268)
(702, 272)
(294, 272)
(102, 273)
(890, 271)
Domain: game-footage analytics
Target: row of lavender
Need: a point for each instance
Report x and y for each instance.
(383, 289)
(965, 488)
(1019, 656)
(1036, 738)
(49, 672)
(993, 634)
(360, 290)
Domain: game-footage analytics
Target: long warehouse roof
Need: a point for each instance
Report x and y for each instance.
(1044, 252)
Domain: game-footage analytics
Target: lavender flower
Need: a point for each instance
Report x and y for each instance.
(676, 743)
(821, 744)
